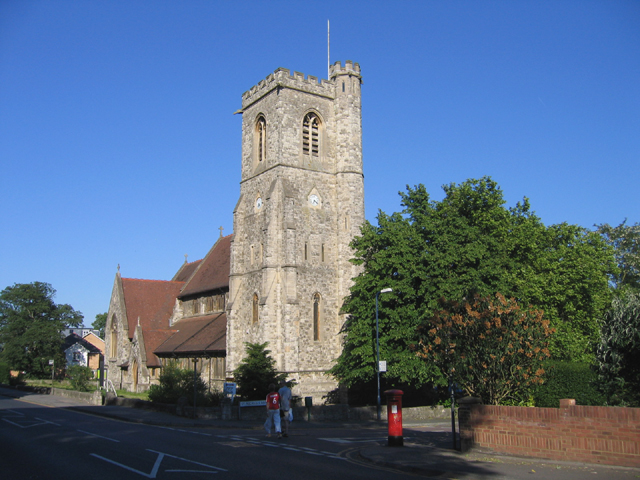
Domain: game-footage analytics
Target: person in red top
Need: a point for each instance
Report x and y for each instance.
(273, 411)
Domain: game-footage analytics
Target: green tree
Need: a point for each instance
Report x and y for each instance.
(256, 371)
(491, 349)
(568, 277)
(468, 243)
(625, 239)
(619, 350)
(30, 325)
(100, 323)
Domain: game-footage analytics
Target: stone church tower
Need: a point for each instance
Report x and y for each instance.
(301, 203)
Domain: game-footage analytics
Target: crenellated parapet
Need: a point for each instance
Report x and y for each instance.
(350, 68)
(283, 78)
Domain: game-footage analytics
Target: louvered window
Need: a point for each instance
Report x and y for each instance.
(311, 135)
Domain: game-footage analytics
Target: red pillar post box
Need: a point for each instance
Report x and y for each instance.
(394, 417)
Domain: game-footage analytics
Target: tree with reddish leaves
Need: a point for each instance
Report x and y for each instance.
(490, 347)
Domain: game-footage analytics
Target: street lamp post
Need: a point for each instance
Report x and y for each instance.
(384, 290)
(195, 382)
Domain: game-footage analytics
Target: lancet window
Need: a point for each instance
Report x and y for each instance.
(316, 316)
(261, 139)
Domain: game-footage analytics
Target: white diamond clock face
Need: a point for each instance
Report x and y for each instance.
(259, 203)
(314, 200)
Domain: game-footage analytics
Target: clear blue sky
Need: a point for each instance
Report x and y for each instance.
(118, 143)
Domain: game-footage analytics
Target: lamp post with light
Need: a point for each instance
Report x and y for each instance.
(384, 290)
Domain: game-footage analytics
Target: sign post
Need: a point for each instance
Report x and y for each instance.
(230, 390)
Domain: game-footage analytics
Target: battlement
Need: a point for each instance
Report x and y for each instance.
(349, 68)
(283, 77)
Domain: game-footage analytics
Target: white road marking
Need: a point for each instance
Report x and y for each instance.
(153, 473)
(47, 421)
(20, 414)
(283, 446)
(99, 436)
(187, 431)
(43, 422)
(156, 465)
(190, 461)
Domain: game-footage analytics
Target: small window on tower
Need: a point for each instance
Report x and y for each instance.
(254, 318)
(261, 139)
(316, 316)
(311, 135)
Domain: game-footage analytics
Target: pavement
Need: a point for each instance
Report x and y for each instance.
(427, 450)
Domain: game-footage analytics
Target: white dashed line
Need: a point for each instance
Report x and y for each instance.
(267, 443)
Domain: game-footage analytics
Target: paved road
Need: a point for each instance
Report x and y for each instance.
(41, 438)
(38, 442)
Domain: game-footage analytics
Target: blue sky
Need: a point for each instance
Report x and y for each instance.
(118, 143)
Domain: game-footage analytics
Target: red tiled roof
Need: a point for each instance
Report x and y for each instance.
(213, 272)
(198, 335)
(185, 271)
(152, 302)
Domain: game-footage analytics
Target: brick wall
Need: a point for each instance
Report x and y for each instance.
(605, 435)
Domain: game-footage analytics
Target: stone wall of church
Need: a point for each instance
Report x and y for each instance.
(116, 329)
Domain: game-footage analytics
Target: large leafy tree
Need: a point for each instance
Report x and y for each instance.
(619, 350)
(468, 243)
(492, 349)
(625, 239)
(30, 325)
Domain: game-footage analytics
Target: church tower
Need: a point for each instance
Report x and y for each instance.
(301, 203)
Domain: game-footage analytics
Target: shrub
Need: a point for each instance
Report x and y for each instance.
(79, 377)
(213, 398)
(178, 382)
(565, 379)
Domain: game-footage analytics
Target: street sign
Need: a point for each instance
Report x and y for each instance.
(382, 366)
(50, 362)
(229, 389)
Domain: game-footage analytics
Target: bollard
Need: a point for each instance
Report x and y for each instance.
(308, 402)
(394, 417)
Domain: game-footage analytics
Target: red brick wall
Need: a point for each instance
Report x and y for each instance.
(606, 435)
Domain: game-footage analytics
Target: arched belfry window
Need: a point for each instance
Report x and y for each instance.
(261, 139)
(311, 135)
(254, 313)
(316, 316)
